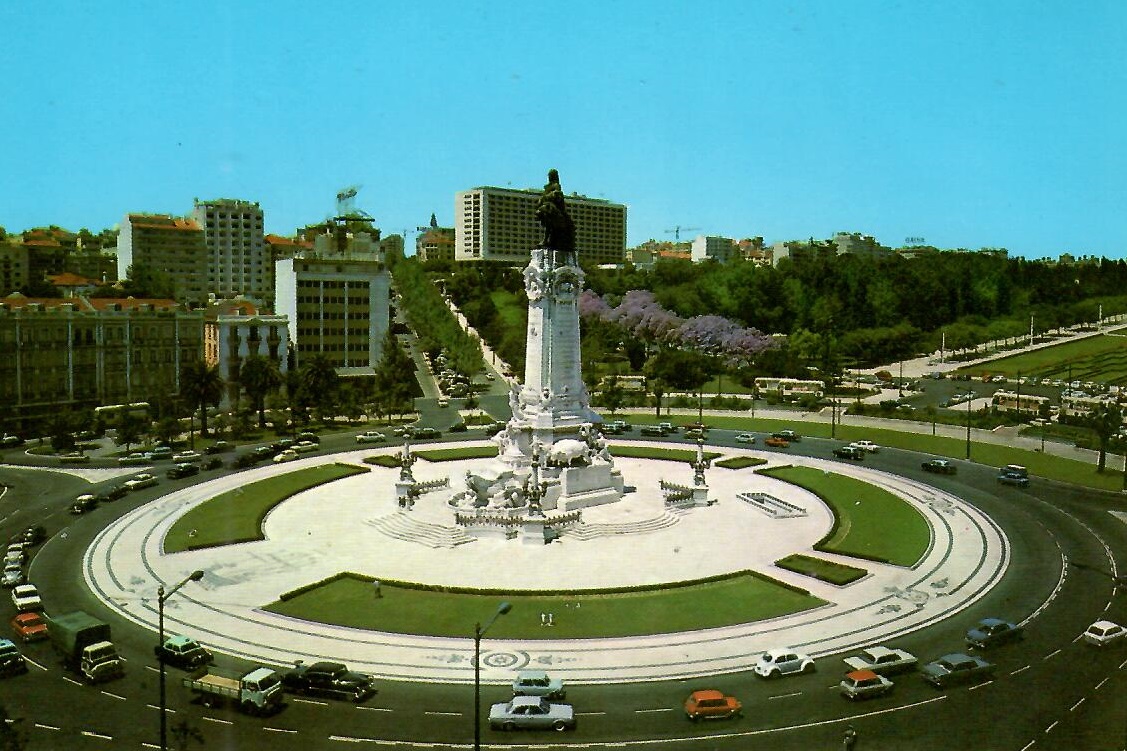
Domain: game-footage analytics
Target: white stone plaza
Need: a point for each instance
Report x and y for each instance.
(356, 525)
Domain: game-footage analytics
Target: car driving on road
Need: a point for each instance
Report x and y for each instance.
(993, 632)
(778, 662)
(531, 713)
(1103, 633)
(883, 661)
(330, 679)
(143, 480)
(938, 466)
(183, 652)
(371, 436)
(538, 683)
(956, 668)
(709, 704)
(864, 684)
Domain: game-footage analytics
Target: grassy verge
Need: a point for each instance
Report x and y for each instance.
(869, 522)
(454, 454)
(827, 571)
(236, 516)
(348, 600)
(740, 462)
(656, 452)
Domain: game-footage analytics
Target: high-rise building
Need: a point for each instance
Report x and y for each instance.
(499, 224)
(337, 303)
(238, 260)
(167, 245)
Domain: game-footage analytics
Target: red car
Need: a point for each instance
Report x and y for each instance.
(30, 626)
(709, 704)
(777, 442)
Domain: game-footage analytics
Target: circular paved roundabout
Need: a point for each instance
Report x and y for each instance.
(354, 524)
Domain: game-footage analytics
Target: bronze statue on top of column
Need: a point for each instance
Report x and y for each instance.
(559, 229)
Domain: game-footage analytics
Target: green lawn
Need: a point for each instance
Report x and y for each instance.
(236, 516)
(349, 600)
(827, 571)
(869, 522)
(454, 454)
(740, 462)
(1097, 358)
(657, 452)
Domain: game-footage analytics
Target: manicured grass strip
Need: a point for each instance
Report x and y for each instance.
(454, 454)
(869, 522)
(348, 600)
(740, 462)
(656, 452)
(827, 571)
(383, 460)
(236, 516)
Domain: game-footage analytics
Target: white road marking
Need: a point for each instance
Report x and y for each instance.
(92, 734)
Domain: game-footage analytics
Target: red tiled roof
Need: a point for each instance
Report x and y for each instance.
(67, 279)
(130, 303)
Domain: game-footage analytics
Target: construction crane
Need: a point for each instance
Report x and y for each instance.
(677, 231)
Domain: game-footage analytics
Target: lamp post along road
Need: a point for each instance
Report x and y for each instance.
(195, 576)
(478, 632)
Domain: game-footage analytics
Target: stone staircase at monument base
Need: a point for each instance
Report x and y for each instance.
(403, 525)
(589, 531)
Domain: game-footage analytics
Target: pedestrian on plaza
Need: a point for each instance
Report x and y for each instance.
(849, 740)
(376, 588)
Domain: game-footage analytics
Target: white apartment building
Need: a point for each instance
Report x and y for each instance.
(337, 304)
(238, 259)
(713, 248)
(499, 224)
(233, 331)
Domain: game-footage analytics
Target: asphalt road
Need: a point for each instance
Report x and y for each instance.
(1049, 691)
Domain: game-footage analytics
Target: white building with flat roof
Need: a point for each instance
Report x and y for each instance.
(238, 260)
(499, 224)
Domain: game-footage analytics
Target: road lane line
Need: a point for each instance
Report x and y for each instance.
(659, 709)
(1077, 704)
(92, 734)
(377, 709)
(310, 701)
(216, 719)
(975, 688)
(46, 727)
(1101, 683)
(279, 730)
(1048, 729)
(444, 714)
(1019, 670)
(1054, 653)
(784, 696)
(115, 696)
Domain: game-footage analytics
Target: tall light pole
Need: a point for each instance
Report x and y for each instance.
(195, 576)
(478, 632)
(970, 398)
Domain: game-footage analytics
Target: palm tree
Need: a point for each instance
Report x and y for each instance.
(201, 386)
(319, 381)
(259, 376)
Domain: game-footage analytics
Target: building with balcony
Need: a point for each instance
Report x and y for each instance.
(499, 224)
(167, 245)
(236, 329)
(238, 260)
(336, 302)
(79, 353)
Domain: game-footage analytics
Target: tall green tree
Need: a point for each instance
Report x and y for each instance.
(258, 377)
(395, 377)
(1105, 422)
(319, 383)
(201, 386)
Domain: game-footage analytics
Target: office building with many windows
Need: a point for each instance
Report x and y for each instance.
(167, 245)
(499, 224)
(238, 260)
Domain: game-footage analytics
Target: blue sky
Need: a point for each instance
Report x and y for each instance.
(970, 124)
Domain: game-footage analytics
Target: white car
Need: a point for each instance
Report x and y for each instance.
(135, 459)
(12, 576)
(745, 438)
(1102, 633)
(371, 436)
(869, 446)
(284, 456)
(187, 457)
(883, 661)
(304, 447)
(26, 597)
(778, 662)
(143, 480)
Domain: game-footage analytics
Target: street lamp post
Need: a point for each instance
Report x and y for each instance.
(970, 398)
(478, 632)
(195, 576)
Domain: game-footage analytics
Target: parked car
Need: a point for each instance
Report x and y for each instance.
(284, 456)
(219, 447)
(538, 683)
(11, 661)
(956, 668)
(34, 535)
(709, 704)
(883, 661)
(850, 452)
(993, 632)
(778, 662)
(136, 459)
(331, 679)
(184, 469)
(775, 441)
(13, 575)
(83, 503)
(16, 553)
(1103, 633)
(938, 466)
(74, 457)
(1013, 474)
(183, 457)
(745, 438)
(531, 712)
(654, 430)
(143, 480)
(864, 684)
(10, 441)
(869, 446)
(304, 447)
(183, 652)
(160, 453)
(26, 597)
(371, 436)
(29, 627)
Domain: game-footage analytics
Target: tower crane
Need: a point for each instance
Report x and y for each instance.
(677, 231)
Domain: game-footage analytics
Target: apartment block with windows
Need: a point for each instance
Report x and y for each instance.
(238, 259)
(336, 303)
(236, 329)
(499, 224)
(171, 245)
